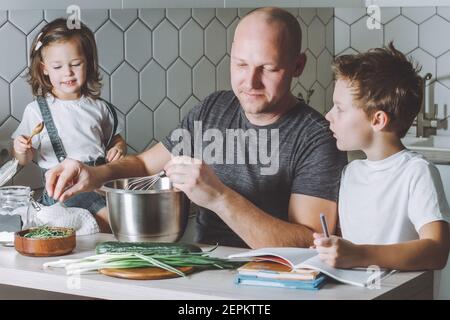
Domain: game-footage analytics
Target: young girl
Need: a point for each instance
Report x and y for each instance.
(79, 125)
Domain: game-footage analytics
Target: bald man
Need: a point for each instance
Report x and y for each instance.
(260, 164)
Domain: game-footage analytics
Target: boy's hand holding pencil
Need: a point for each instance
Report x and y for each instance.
(335, 251)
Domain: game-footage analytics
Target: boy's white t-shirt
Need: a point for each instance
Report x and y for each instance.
(84, 126)
(388, 201)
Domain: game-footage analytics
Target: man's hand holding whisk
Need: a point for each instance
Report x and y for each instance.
(197, 180)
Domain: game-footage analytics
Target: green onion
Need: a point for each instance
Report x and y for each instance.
(138, 260)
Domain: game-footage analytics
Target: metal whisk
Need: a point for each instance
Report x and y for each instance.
(145, 183)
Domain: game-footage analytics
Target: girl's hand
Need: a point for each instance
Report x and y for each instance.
(337, 252)
(115, 153)
(21, 145)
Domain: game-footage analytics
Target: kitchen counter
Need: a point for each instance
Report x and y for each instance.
(24, 277)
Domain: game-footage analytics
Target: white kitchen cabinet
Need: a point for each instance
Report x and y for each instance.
(59, 4)
(442, 278)
(124, 4)
(408, 3)
(444, 170)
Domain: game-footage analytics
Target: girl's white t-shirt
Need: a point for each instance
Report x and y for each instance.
(388, 201)
(84, 126)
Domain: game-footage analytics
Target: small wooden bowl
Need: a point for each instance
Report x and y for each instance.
(50, 247)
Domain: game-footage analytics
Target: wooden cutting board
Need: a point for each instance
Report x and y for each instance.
(152, 273)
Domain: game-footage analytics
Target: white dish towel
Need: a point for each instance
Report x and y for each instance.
(59, 215)
(56, 215)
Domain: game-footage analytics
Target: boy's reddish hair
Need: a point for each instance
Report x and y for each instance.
(384, 79)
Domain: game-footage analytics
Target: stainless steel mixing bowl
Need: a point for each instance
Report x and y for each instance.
(158, 215)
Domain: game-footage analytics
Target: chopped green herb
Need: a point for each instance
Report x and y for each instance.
(46, 232)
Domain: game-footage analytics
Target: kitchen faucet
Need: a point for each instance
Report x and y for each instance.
(426, 122)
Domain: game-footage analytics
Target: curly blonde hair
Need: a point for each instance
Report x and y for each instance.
(57, 31)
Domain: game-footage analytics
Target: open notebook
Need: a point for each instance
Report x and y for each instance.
(300, 258)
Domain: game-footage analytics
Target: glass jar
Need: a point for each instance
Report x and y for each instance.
(15, 200)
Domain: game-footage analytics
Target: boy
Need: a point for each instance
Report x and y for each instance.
(392, 208)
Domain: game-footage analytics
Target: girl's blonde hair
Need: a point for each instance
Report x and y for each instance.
(57, 31)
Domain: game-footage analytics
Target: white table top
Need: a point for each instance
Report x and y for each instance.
(27, 272)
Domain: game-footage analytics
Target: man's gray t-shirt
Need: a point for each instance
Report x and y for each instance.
(308, 163)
